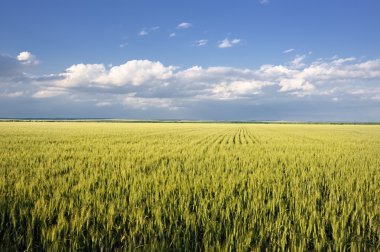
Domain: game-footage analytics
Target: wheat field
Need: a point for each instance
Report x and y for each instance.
(189, 187)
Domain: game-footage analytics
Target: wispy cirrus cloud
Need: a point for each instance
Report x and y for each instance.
(12, 94)
(227, 43)
(103, 104)
(201, 42)
(297, 62)
(49, 92)
(288, 51)
(146, 31)
(123, 45)
(143, 103)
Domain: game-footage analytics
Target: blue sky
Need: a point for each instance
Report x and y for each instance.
(217, 60)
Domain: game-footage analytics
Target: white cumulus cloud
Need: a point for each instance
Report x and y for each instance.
(143, 33)
(295, 84)
(27, 58)
(184, 25)
(82, 75)
(145, 84)
(134, 72)
(240, 88)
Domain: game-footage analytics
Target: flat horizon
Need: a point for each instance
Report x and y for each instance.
(168, 120)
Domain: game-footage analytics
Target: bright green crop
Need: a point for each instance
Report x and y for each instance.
(189, 187)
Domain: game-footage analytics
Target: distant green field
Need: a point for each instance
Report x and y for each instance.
(198, 187)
